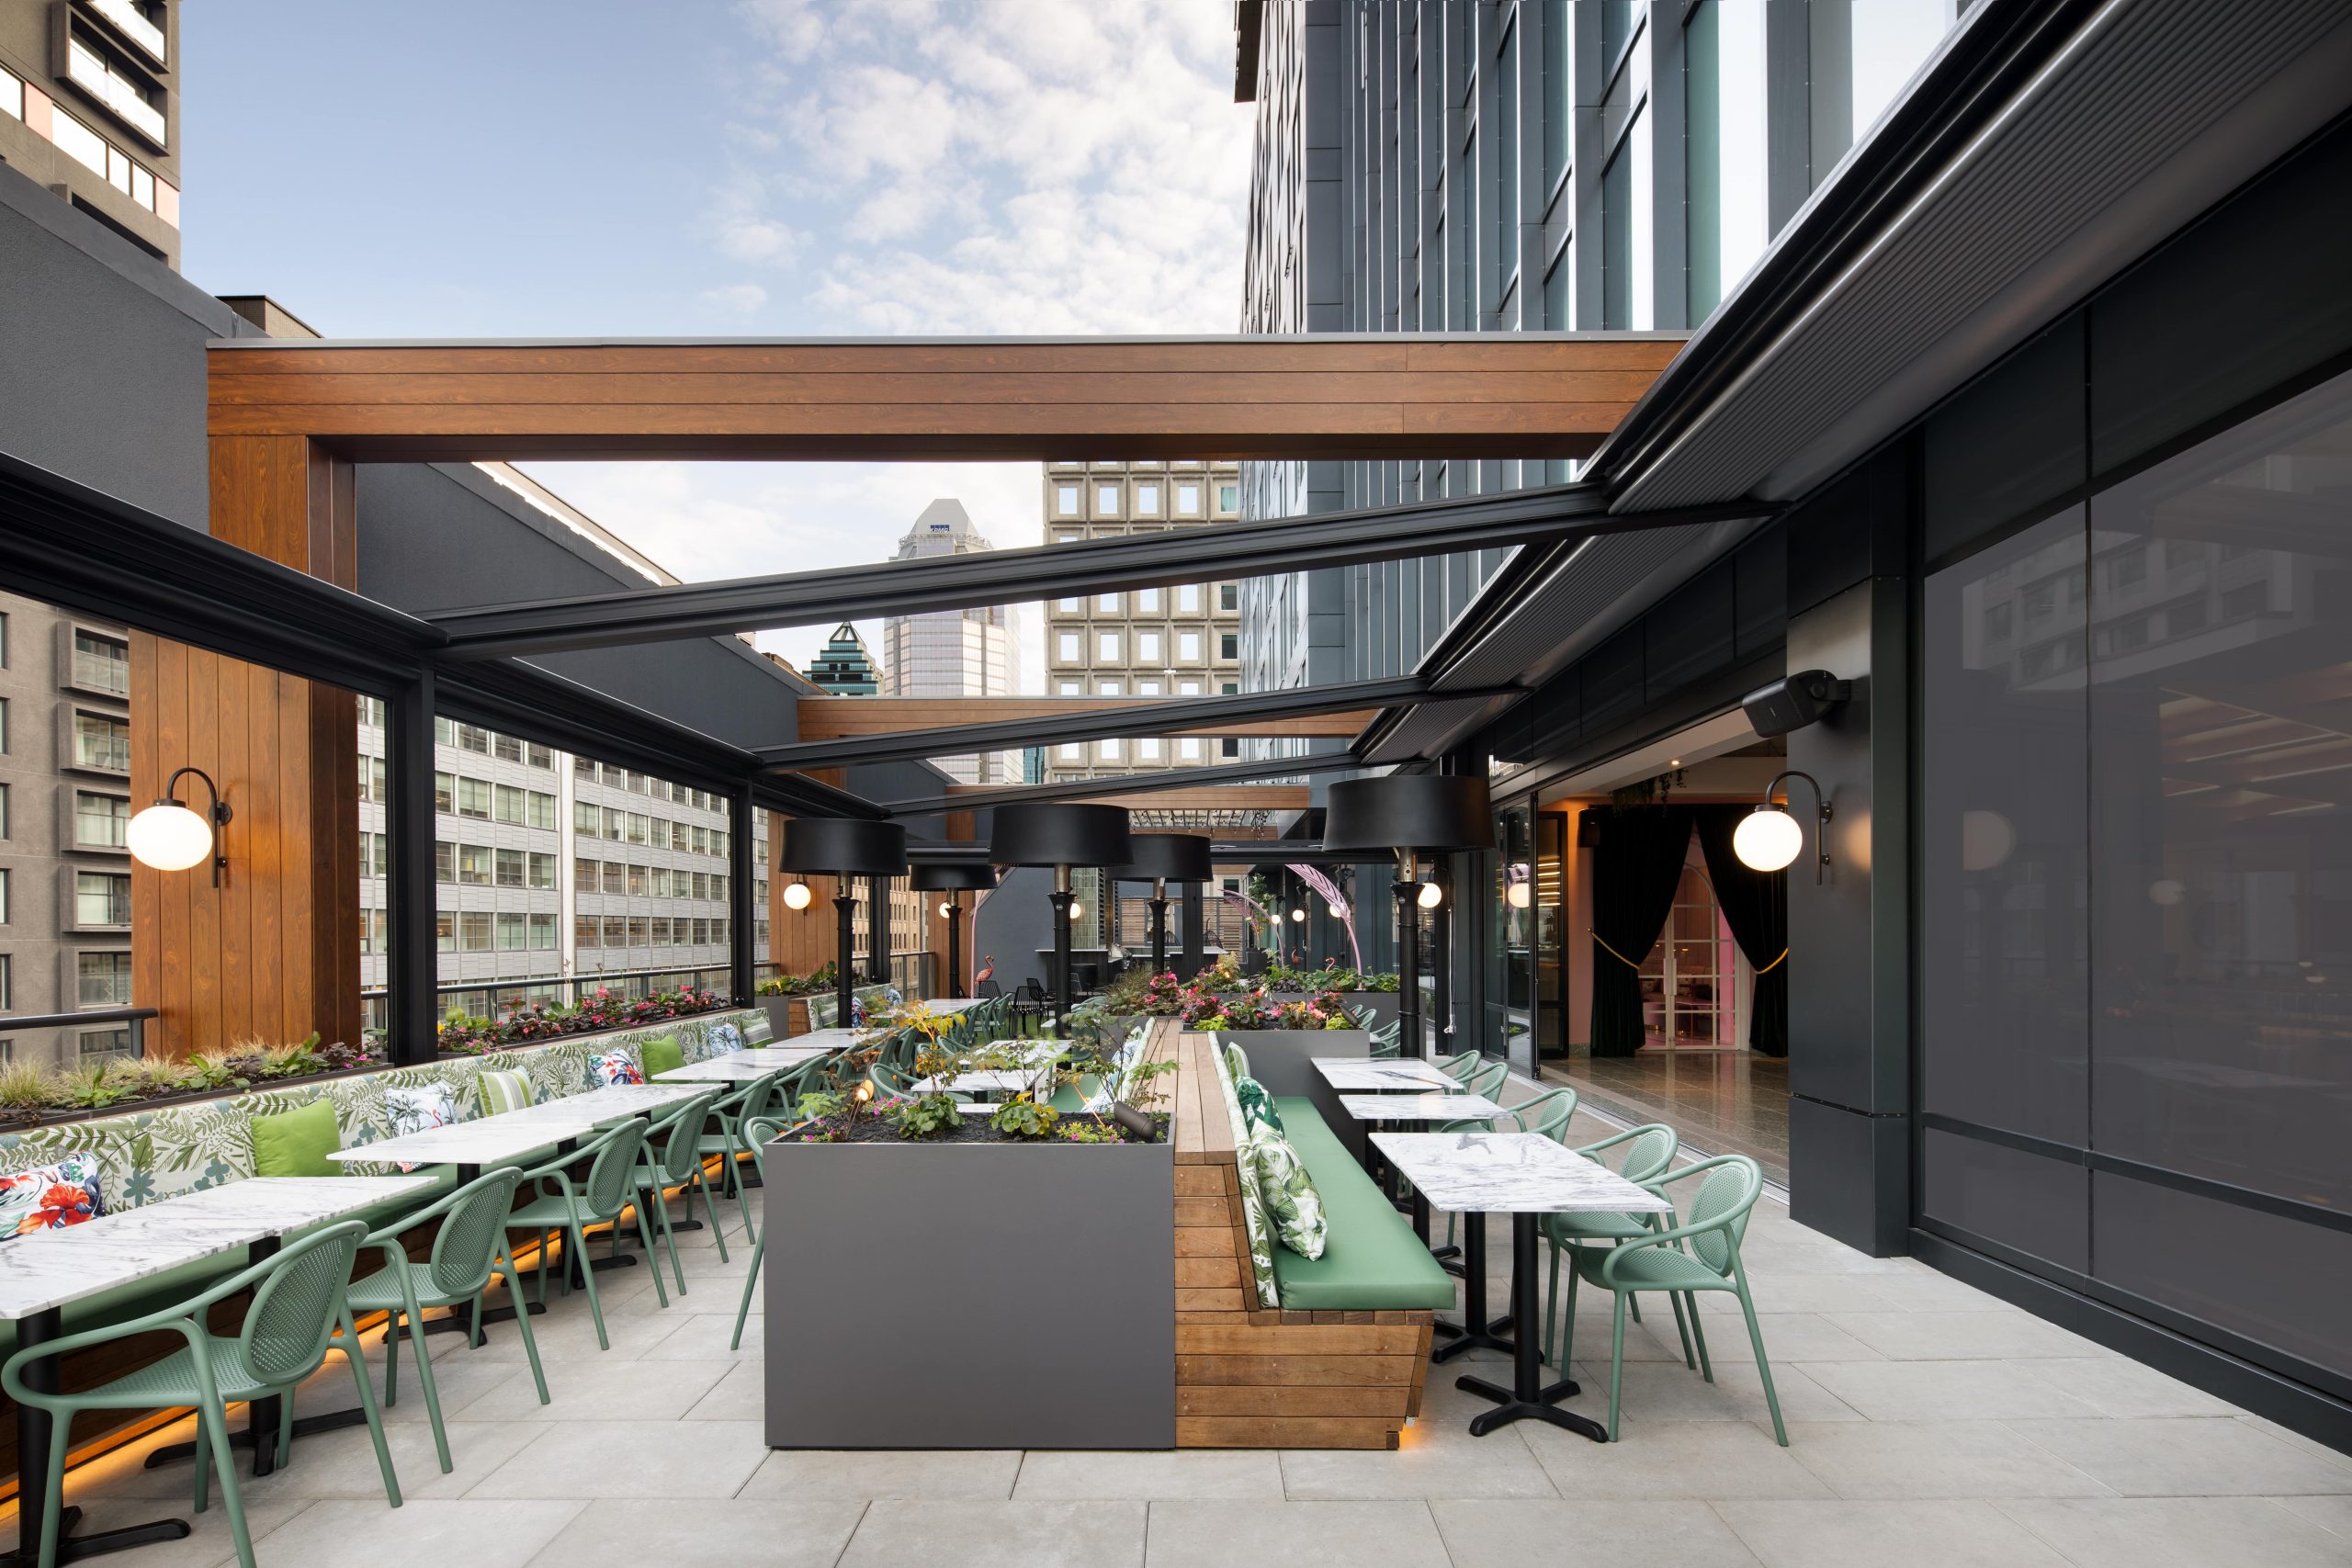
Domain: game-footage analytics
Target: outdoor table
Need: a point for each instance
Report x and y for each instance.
(1414, 1112)
(601, 1107)
(741, 1066)
(43, 1273)
(1388, 1074)
(1524, 1175)
(951, 1004)
(838, 1038)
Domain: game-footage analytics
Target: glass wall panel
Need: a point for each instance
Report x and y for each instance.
(2033, 1202)
(2002, 887)
(2222, 775)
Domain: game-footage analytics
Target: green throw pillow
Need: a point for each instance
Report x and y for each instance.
(1237, 1062)
(661, 1056)
(1290, 1199)
(297, 1143)
(1257, 1106)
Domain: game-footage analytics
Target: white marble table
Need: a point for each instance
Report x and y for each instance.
(602, 1107)
(834, 1039)
(1383, 1074)
(469, 1146)
(1525, 1175)
(1431, 1107)
(741, 1066)
(43, 1273)
(951, 1004)
(986, 1081)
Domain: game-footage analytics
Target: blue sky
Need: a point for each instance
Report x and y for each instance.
(465, 168)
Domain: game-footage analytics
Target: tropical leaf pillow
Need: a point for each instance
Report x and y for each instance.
(1290, 1199)
(51, 1196)
(619, 1065)
(1257, 1106)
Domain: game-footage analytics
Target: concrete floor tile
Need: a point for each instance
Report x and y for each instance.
(1959, 1336)
(1665, 1461)
(364, 1534)
(740, 1395)
(1915, 1460)
(2189, 1457)
(1951, 1390)
(703, 1336)
(1294, 1535)
(1515, 1534)
(905, 1533)
(2179, 1532)
(1436, 1456)
(770, 1533)
(582, 1459)
(932, 1475)
(2330, 1513)
(1188, 1472)
(208, 1541)
(1668, 1391)
(1957, 1534)
(605, 1391)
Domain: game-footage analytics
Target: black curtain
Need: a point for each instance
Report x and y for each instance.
(1756, 906)
(1636, 866)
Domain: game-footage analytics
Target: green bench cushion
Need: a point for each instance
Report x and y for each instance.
(1372, 1261)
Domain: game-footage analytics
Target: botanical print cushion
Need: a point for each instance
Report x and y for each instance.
(618, 1065)
(64, 1193)
(1257, 1106)
(1296, 1207)
(415, 1109)
(505, 1091)
(722, 1039)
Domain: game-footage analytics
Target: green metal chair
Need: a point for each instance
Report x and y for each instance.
(470, 1249)
(1648, 1153)
(759, 1133)
(678, 1165)
(566, 1208)
(298, 1305)
(1458, 1068)
(1388, 1041)
(1548, 1113)
(731, 1111)
(1700, 1252)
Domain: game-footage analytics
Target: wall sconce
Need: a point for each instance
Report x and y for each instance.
(1518, 895)
(169, 837)
(1298, 916)
(798, 896)
(1769, 837)
(1430, 896)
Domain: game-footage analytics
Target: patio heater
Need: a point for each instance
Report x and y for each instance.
(1161, 859)
(952, 880)
(1415, 817)
(843, 848)
(1062, 837)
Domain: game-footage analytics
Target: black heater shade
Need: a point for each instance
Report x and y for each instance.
(951, 878)
(1436, 812)
(1168, 857)
(1051, 833)
(843, 846)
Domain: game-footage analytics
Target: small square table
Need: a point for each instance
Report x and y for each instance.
(1388, 1074)
(1524, 1175)
(1413, 1113)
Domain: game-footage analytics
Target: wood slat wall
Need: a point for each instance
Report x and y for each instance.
(1247, 1376)
(1515, 395)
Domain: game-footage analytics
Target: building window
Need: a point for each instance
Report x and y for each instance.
(543, 933)
(1066, 648)
(1073, 752)
(102, 979)
(1106, 500)
(542, 871)
(1188, 648)
(1228, 499)
(587, 821)
(1106, 604)
(445, 932)
(1189, 750)
(508, 805)
(474, 865)
(1188, 599)
(101, 663)
(99, 820)
(1069, 606)
(1147, 647)
(1065, 501)
(511, 867)
(101, 899)
(1108, 749)
(1228, 645)
(7, 992)
(1147, 750)
(513, 932)
(1147, 602)
(1188, 499)
(474, 932)
(615, 877)
(445, 861)
(4, 896)
(539, 810)
(1107, 689)
(585, 932)
(615, 931)
(1147, 498)
(473, 798)
(1228, 597)
(1106, 647)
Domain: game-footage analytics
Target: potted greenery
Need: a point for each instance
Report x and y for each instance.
(1368, 993)
(784, 998)
(952, 1249)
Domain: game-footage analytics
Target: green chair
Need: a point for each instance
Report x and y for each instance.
(1459, 1067)
(470, 1248)
(759, 1133)
(679, 1164)
(1648, 1153)
(1548, 1113)
(566, 1208)
(1388, 1041)
(298, 1305)
(1700, 1252)
(731, 1111)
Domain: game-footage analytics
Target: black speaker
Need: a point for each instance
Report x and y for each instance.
(1794, 702)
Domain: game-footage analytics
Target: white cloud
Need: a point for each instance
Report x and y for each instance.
(742, 297)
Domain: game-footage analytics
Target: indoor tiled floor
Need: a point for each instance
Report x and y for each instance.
(1929, 1425)
(1726, 1102)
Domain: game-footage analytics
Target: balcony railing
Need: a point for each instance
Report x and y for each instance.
(14, 1024)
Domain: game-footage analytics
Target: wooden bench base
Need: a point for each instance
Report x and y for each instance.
(1247, 1377)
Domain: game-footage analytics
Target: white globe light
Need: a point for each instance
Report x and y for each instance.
(1076, 908)
(1431, 896)
(1298, 914)
(169, 837)
(796, 896)
(946, 908)
(1766, 839)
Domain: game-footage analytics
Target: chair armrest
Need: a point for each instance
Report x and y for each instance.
(178, 1319)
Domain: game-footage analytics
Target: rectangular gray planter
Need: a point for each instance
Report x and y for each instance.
(779, 1011)
(970, 1296)
(1282, 1060)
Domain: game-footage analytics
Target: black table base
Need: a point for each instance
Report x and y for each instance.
(1528, 1397)
(1475, 1332)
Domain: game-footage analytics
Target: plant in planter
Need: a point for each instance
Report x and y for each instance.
(818, 980)
(1024, 1118)
(929, 1116)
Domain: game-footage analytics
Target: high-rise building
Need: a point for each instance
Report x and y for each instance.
(845, 667)
(1182, 641)
(64, 802)
(90, 107)
(1529, 165)
(953, 653)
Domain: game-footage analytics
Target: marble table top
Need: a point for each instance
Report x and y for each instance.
(485, 1141)
(49, 1269)
(600, 1107)
(1511, 1173)
(835, 1039)
(952, 1004)
(738, 1066)
(1421, 1107)
(1389, 1073)
(989, 1081)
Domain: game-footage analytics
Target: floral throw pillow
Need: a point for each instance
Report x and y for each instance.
(618, 1065)
(1290, 1199)
(51, 1196)
(415, 1109)
(1257, 1106)
(724, 1039)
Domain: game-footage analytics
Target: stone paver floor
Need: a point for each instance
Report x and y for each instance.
(1929, 1425)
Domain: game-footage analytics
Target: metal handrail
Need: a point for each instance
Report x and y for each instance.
(136, 1017)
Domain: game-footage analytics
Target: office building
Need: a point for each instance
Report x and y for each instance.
(90, 108)
(953, 653)
(1182, 641)
(845, 666)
